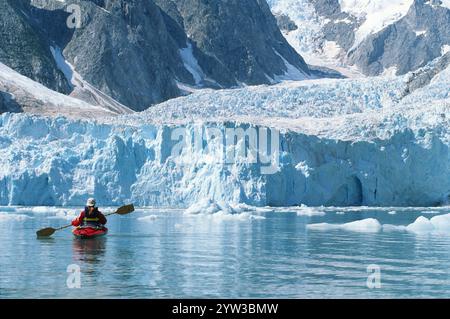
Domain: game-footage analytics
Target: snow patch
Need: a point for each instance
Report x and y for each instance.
(191, 64)
(390, 72)
(445, 49)
(445, 3)
(291, 74)
(421, 33)
(377, 14)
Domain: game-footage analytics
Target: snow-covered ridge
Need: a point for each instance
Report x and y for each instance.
(377, 14)
(37, 99)
(307, 38)
(365, 37)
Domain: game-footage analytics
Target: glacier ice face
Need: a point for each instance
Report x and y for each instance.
(61, 162)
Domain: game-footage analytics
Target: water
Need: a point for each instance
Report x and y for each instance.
(165, 254)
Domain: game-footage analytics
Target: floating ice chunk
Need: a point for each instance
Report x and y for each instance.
(207, 206)
(148, 218)
(369, 225)
(437, 224)
(392, 212)
(14, 217)
(223, 216)
(422, 224)
(250, 208)
(441, 222)
(304, 210)
(40, 209)
(220, 211)
(64, 215)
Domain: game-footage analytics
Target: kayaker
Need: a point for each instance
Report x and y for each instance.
(90, 216)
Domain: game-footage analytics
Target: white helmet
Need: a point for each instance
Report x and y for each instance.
(91, 202)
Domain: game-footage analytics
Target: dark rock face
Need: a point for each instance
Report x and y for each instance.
(423, 77)
(125, 50)
(285, 23)
(25, 48)
(138, 51)
(8, 104)
(239, 41)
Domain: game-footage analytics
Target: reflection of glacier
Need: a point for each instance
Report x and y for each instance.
(379, 141)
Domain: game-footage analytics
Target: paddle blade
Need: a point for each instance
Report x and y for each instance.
(125, 209)
(46, 232)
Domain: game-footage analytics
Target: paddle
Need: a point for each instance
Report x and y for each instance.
(47, 232)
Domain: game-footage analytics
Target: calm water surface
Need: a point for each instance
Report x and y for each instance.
(166, 254)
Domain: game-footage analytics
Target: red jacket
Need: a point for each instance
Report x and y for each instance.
(79, 220)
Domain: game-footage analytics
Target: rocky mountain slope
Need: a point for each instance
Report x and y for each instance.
(141, 52)
(374, 37)
(24, 48)
(21, 94)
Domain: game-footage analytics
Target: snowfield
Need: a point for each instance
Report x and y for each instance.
(377, 14)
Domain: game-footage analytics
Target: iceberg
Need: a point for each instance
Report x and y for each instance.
(368, 225)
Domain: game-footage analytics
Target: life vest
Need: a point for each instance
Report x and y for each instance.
(92, 219)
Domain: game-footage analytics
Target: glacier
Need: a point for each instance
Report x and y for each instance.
(378, 141)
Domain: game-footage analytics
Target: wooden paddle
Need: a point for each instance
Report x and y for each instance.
(47, 232)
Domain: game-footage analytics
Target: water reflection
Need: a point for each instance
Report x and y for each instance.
(174, 255)
(89, 251)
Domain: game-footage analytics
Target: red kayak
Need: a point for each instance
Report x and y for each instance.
(89, 232)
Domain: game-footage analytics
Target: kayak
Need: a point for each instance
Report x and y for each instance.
(89, 232)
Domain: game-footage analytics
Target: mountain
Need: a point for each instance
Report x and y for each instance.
(238, 42)
(24, 48)
(365, 140)
(142, 52)
(371, 37)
